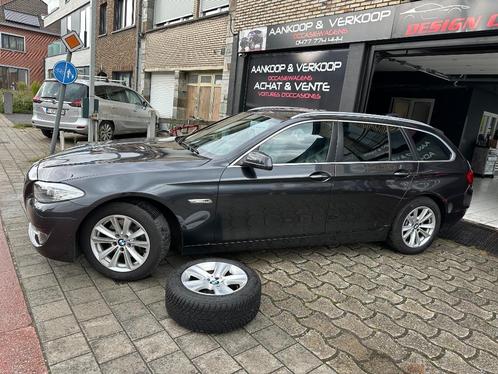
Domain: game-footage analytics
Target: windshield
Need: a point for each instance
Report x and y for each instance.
(226, 136)
(50, 90)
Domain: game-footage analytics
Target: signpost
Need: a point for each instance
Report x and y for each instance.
(65, 73)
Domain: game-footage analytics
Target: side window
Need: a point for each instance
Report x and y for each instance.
(100, 91)
(117, 93)
(400, 150)
(429, 148)
(365, 142)
(304, 143)
(133, 98)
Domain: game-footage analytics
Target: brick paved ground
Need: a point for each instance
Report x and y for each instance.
(349, 309)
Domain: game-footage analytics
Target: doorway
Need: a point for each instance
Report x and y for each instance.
(204, 96)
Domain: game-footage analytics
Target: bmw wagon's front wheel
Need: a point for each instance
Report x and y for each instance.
(125, 241)
(416, 226)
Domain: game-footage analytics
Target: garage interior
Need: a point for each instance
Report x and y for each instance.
(455, 91)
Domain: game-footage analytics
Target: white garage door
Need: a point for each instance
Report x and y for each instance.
(162, 92)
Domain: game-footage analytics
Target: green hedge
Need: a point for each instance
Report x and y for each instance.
(23, 98)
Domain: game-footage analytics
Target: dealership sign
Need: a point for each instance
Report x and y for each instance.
(304, 79)
(344, 28)
(445, 17)
(419, 18)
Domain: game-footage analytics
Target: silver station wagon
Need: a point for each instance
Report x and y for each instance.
(121, 109)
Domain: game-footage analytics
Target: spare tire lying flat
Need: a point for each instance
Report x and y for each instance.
(213, 295)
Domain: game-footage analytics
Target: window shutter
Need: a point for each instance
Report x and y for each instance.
(212, 4)
(168, 10)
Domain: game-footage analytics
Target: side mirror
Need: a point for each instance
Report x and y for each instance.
(258, 160)
(145, 104)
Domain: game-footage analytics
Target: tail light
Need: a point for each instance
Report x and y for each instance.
(76, 103)
(37, 100)
(470, 177)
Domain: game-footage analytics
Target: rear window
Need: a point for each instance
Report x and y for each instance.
(50, 90)
(429, 148)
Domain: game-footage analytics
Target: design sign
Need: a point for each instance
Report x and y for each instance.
(371, 24)
(304, 79)
(445, 17)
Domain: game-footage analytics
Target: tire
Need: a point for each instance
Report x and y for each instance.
(404, 223)
(142, 216)
(47, 133)
(211, 313)
(106, 131)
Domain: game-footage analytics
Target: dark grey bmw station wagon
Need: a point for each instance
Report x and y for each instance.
(270, 177)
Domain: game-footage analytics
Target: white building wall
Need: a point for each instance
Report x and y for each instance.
(79, 59)
(65, 8)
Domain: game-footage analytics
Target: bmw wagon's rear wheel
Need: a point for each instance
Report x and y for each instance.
(416, 226)
(125, 241)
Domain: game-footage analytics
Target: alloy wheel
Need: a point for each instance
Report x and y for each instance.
(418, 227)
(105, 131)
(214, 278)
(120, 243)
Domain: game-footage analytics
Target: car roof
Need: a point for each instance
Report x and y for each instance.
(305, 113)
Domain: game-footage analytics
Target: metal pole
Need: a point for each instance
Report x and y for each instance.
(62, 95)
(92, 136)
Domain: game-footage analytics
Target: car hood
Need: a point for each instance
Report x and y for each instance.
(117, 157)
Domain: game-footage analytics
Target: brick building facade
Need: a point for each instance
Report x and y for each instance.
(116, 45)
(23, 42)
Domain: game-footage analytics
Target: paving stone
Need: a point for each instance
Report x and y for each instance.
(65, 348)
(472, 322)
(469, 308)
(78, 365)
(76, 282)
(334, 279)
(321, 323)
(315, 343)
(290, 324)
(381, 322)
(382, 343)
(151, 295)
(119, 295)
(280, 277)
(354, 306)
(445, 323)
(344, 364)
(441, 307)
(83, 295)
(173, 363)
(381, 306)
(141, 326)
(451, 342)
(411, 306)
(298, 359)
(288, 267)
(416, 341)
(477, 299)
(236, 342)
(353, 324)
(39, 282)
(440, 283)
(129, 364)
(379, 363)
(268, 308)
(481, 341)
(413, 322)
(57, 328)
(327, 307)
(349, 343)
(158, 310)
(313, 267)
(66, 270)
(307, 278)
(485, 362)
(274, 290)
(196, 344)
(91, 310)
(155, 346)
(129, 310)
(101, 326)
(294, 306)
(300, 291)
(384, 280)
(50, 311)
(258, 323)
(173, 329)
(418, 364)
(273, 338)
(330, 292)
(258, 360)
(111, 347)
(453, 363)
(216, 362)
(34, 270)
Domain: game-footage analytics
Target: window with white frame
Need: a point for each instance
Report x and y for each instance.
(173, 11)
(124, 14)
(12, 42)
(208, 7)
(78, 21)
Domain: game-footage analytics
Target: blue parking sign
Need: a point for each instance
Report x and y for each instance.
(65, 72)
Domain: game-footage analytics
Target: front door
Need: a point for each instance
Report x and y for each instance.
(291, 200)
(375, 169)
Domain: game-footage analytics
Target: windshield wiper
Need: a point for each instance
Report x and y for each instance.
(191, 148)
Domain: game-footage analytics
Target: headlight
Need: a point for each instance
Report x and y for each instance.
(46, 192)
(32, 173)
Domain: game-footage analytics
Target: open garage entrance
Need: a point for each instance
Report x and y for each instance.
(454, 89)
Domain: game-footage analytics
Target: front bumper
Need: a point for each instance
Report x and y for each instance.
(53, 229)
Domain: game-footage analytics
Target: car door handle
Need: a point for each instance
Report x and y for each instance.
(401, 173)
(320, 176)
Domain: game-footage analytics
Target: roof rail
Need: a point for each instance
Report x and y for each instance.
(278, 108)
(350, 114)
(101, 79)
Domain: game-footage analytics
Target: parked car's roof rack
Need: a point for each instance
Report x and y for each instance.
(368, 116)
(100, 79)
